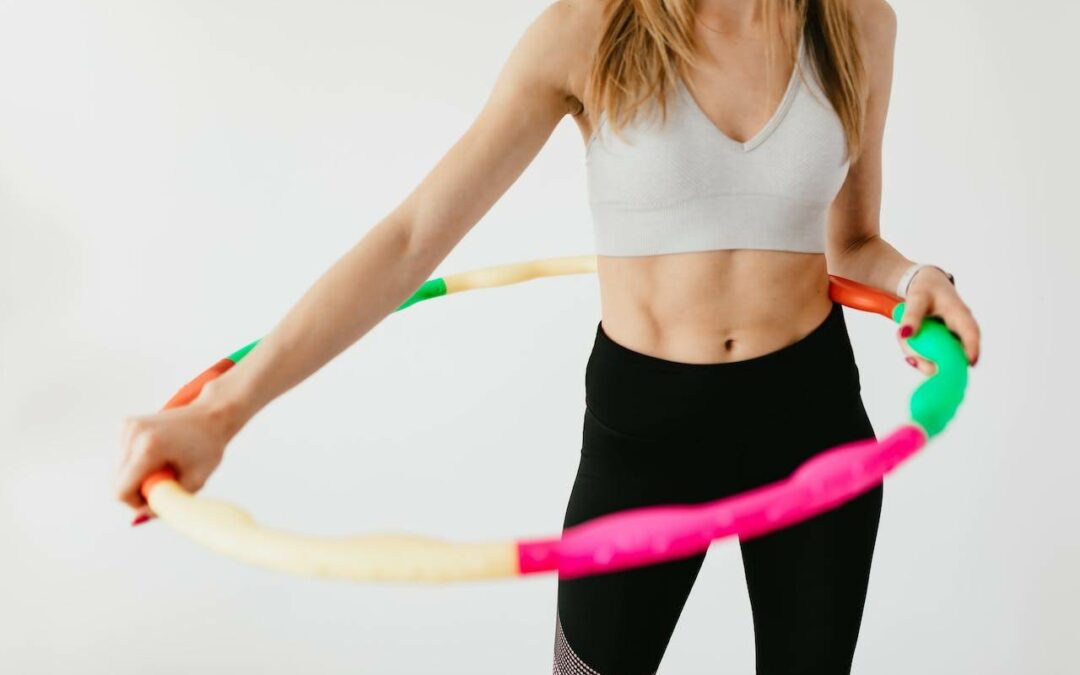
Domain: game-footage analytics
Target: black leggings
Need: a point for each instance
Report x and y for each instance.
(661, 432)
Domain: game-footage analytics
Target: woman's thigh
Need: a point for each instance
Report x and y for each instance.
(808, 582)
(807, 586)
(660, 432)
(620, 623)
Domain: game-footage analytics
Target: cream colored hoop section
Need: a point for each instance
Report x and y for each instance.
(231, 531)
(629, 539)
(503, 275)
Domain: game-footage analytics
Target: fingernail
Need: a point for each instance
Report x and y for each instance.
(912, 362)
(140, 519)
(906, 331)
(974, 361)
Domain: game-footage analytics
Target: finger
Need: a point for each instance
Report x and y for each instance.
(142, 461)
(920, 363)
(915, 360)
(909, 352)
(128, 430)
(963, 325)
(924, 366)
(915, 308)
(194, 478)
(142, 515)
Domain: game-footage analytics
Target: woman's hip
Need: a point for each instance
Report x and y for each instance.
(760, 417)
(639, 393)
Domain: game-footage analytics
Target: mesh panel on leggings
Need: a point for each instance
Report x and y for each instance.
(566, 661)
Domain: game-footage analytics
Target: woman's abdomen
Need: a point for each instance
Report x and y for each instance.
(712, 306)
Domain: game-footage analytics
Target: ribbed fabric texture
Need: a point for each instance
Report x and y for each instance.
(686, 186)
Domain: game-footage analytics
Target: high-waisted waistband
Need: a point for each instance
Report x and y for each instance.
(830, 328)
(646, 395)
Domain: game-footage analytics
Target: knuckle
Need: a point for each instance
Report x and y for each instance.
(122, 492)
(192, 481)
(129, 427)
(918, 297)
(951, 309)
(147, 444)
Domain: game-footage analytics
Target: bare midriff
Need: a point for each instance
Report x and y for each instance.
(712, 306)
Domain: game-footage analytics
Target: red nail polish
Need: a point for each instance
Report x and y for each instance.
(140, 519)
(912, 362)
(906, 331)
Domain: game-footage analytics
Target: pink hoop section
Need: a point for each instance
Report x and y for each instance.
(654, 534)
(618, 541)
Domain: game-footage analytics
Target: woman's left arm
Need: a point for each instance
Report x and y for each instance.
(855, 249)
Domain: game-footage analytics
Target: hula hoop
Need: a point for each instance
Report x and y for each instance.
(623, 540)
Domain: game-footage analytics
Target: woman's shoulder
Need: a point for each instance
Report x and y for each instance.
(875, 27)
(875, 22)
(553, 53)
(574, 29)
(577, 21)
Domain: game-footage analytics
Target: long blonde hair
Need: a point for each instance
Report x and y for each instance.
(647, 43)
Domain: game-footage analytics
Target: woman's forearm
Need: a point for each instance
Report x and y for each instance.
(365, 285)
(871, 261)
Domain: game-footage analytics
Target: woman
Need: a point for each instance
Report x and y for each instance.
(734, 159)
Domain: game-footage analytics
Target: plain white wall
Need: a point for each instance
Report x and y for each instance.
(173, 176)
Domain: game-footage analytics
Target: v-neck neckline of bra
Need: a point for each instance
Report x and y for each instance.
(773, 122)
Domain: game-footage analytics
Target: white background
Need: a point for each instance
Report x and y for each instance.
(174, 175)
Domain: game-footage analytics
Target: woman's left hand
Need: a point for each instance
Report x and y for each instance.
(932, 294)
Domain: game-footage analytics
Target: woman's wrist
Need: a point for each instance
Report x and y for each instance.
(228, 404)
(925, 274)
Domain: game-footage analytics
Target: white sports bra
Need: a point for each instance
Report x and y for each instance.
(686, 186)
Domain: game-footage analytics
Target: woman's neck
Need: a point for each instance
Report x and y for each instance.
(737, 17)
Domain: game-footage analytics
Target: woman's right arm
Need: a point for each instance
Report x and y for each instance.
(381, 271)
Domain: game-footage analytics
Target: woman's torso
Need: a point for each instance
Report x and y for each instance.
(730, 304)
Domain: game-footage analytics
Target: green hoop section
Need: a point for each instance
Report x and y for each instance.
(627, 539)
(934, 402)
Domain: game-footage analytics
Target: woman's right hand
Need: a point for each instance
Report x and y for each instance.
(190, 440)
(531, 96)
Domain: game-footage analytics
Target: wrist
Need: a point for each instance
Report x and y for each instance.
(921, 274)
(931, 276)
(227, 405)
